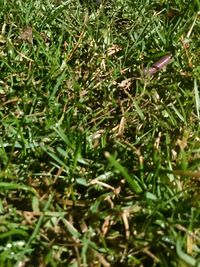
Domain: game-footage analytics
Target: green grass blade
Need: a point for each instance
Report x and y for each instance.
(185, 257)
(133, 183)
(13, 186)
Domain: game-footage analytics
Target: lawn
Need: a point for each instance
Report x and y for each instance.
(99, 143)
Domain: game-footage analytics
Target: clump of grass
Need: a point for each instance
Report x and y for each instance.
(99, 164)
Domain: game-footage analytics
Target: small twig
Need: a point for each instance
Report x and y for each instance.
(183, 229)
(150, 254)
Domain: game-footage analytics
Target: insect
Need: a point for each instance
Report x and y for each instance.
(27, 35)
(160, 64)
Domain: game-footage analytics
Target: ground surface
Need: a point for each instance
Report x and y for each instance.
(99, 162)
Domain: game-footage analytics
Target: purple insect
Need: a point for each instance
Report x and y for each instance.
(160, 64)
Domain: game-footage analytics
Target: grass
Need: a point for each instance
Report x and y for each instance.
(99, 164)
